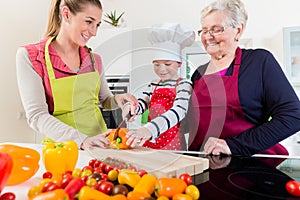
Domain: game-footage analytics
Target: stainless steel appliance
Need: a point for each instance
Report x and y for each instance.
(118, 84)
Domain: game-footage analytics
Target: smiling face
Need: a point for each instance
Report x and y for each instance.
(82, 25)
(166, 69)
(223, 42)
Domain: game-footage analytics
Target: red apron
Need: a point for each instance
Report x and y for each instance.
(161, 101)
(215, 106)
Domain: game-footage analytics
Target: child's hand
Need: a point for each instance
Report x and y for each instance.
(138, 137)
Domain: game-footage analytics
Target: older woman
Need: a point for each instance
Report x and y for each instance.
(242, 102)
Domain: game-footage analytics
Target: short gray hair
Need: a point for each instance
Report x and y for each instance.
(234, 10)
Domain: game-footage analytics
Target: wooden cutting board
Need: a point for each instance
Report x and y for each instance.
(157, 162)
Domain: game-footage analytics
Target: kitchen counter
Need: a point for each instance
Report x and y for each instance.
(228, 177)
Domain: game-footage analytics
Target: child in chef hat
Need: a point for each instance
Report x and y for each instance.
(166, 99)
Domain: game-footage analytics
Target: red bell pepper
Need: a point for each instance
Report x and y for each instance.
(74, 187)
(6, 164)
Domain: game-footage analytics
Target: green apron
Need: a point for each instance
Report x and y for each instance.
(76, 98)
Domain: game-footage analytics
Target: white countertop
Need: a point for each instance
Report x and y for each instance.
(21, 190)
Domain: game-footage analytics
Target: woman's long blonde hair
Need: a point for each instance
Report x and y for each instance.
(75, 6)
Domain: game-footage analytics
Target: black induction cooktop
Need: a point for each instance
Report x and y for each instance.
(231, 178)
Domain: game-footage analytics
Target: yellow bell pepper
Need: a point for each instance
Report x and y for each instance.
(128, 177)
(59, 157)
(25, 162)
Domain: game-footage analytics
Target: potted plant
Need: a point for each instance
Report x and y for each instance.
(113, 19)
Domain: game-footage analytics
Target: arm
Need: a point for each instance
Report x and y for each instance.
(167, 120)
(34, 102)
(175, 114)
(271, 95)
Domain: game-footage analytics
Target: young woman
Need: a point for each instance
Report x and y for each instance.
(61, 82)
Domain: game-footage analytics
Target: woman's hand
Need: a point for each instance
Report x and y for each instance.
(218, 162)
(216, 146)
(138, 137)
(124, 99)
(99, 140)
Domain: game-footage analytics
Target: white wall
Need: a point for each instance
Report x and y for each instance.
(25, 23)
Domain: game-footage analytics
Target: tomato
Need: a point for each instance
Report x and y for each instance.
(192, 191)
(98, 170)
(91, 182)
(102, 165)
(120, 189)
(87, 167)
(65, 181)
(97, 163)
(76, 173)
(8, 196)
(106, 187)
(186, 178)
(92, 162)
(293, 187)
(112, 175)
(142, 172)
(104, 176)
(47, 175)
(48, 186)
(34, 190)
(108, 168)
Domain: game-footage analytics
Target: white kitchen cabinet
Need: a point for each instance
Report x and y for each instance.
(292, 54)
(114, 45)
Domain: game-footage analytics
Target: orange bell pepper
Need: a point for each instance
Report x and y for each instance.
(59, 157)
(58, 194)
(88, 193)
(169, 187)
(117, 138)
(25, 162)
(146, 184)
(6, 165)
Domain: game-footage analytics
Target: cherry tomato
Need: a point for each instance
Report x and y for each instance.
(91, 182)
(104, 176)
(142, 172)
(47, 175)
(186, 178)
(92, 162)
(108, 168)
(8, 196)
(112, 175)
(76, 173)
(97, 163)
(87, 167)
(98, 170)
(34, 190)
(293, 187)
(106, 187)
(192, 191)
(65, 181)
(47, 186)
(102, 165)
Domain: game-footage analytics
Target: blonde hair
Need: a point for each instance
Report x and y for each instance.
(75, 6)
(234, 10)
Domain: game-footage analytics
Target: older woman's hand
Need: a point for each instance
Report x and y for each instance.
(216, 146)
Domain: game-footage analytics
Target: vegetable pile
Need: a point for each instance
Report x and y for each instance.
(112, 179)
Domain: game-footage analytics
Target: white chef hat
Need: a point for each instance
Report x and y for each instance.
(169, 39)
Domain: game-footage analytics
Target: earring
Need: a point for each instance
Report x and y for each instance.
(236, 39)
